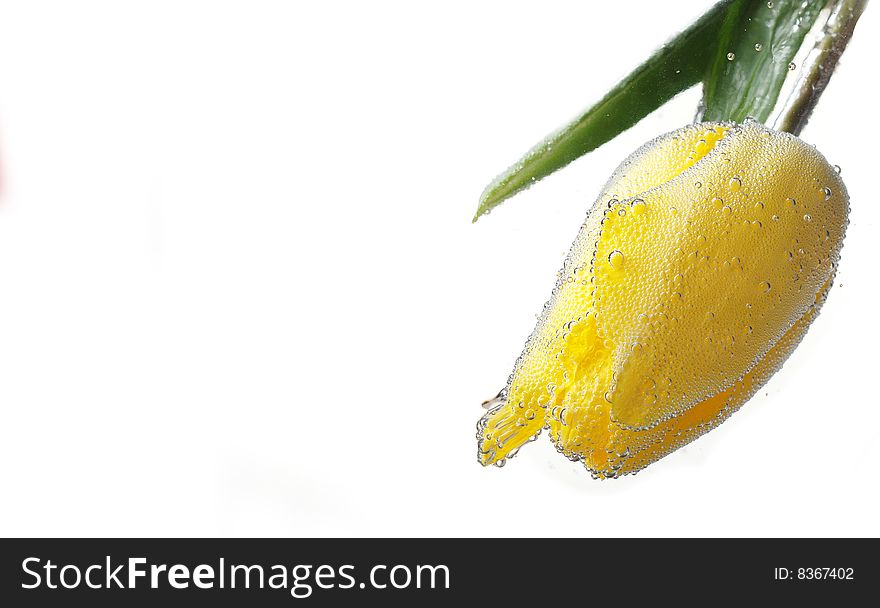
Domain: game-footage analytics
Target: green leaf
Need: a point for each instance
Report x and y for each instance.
(756, 43)
(739, 49)
(679, 64)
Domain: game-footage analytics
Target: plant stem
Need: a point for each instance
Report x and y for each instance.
(817, 68)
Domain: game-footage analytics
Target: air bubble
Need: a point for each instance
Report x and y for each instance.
(717, 202)
(638, 207)
(808, 217)
(726, 210)
(791, 202)
(826, 191)
(731, 56)
(792, 66)
(735, 184)
(758, 46)
(765, 287)
(615, 258)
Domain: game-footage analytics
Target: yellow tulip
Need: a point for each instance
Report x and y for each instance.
(695, 275)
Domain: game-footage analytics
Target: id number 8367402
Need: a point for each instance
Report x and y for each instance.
(814, 574)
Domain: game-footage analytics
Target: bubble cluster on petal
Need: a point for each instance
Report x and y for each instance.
(695, 274)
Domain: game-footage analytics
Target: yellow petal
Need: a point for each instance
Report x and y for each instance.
(695, 275)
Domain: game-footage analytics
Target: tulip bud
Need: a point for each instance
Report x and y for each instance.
(696, 273)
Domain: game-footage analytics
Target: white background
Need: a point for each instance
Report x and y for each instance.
(240, 293)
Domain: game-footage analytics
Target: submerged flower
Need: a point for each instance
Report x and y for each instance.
(696, 273)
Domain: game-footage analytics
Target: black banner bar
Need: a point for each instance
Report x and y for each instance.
(388, 572)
